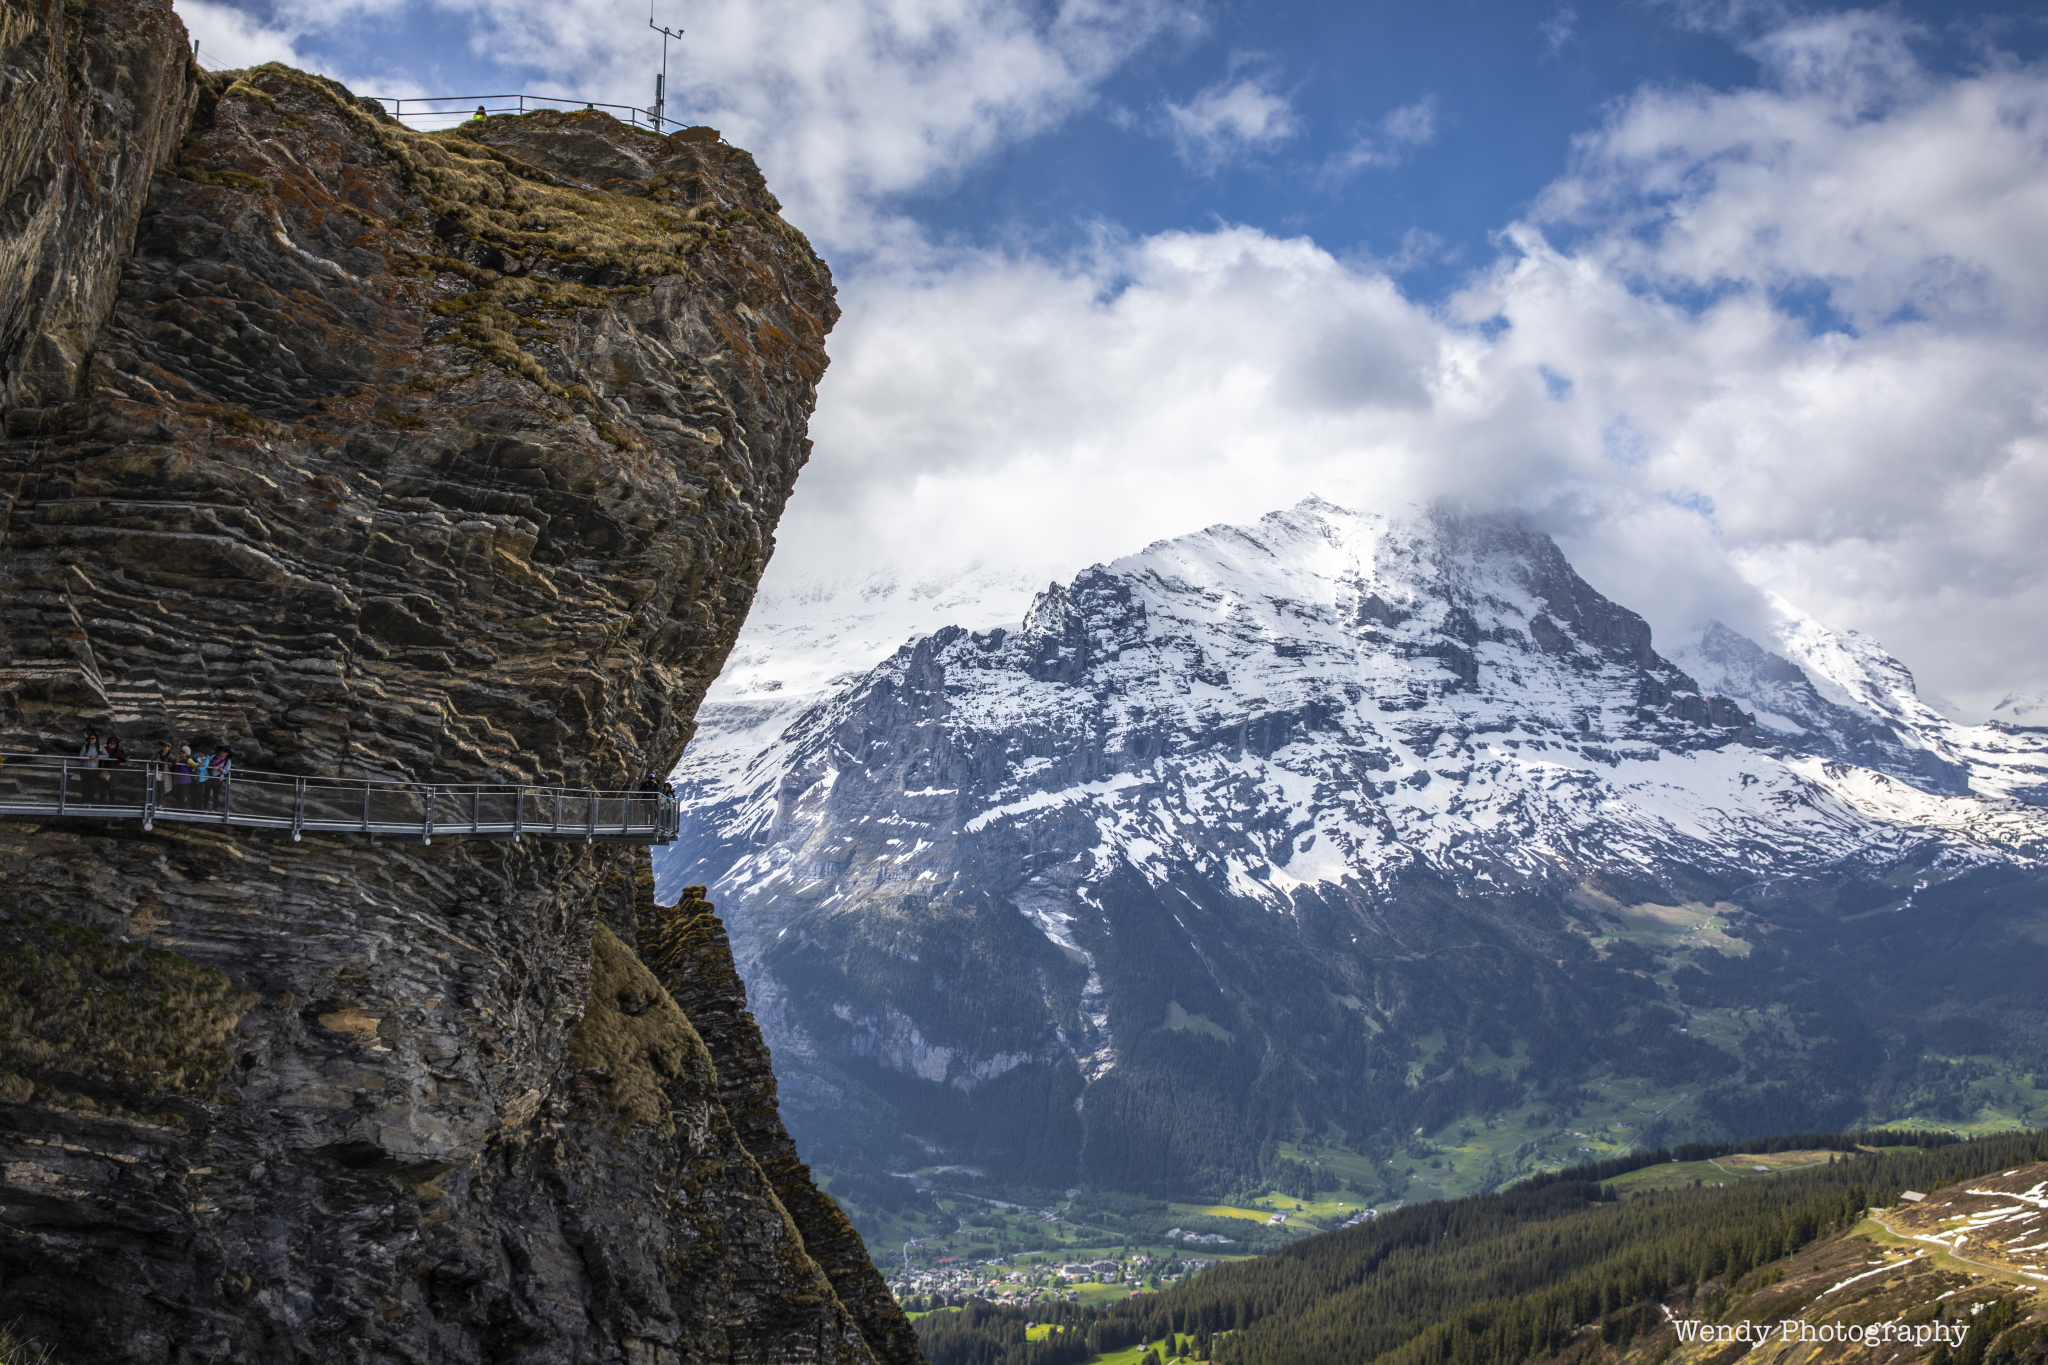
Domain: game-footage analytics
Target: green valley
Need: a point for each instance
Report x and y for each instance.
(1633, 1261)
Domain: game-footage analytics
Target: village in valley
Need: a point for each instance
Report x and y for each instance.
(1086, 1254)
(949, 1281)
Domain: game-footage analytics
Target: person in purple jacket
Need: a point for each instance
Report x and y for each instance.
(183, 769)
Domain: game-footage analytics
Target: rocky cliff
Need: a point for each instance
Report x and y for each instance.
(376, 452)
(95, 100)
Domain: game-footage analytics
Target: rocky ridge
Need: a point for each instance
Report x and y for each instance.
(395, 454)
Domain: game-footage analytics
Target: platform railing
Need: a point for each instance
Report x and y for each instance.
(147, 791)
(456, 109)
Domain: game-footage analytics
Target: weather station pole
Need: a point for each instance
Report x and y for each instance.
(661, 81)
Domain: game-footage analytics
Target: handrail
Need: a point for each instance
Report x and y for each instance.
(395, 106)
(147, 791)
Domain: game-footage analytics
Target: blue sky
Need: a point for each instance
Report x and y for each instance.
(1741, 300)
(1414, 131)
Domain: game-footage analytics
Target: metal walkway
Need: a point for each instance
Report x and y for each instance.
(41, 785)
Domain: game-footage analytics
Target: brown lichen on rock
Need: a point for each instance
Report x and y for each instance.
(409, 399)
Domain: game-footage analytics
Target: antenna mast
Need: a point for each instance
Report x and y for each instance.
(661, 81)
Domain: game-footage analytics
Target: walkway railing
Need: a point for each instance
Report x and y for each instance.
(42, 785)
(456, 108)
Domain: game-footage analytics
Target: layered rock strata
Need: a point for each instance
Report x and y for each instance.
(449, 455)
(94, 98)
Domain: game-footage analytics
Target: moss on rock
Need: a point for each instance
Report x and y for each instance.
(564, 247)
(76, 1003)
(633, 1033)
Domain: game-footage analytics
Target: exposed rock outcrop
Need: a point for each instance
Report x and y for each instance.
(93, 101)
(400, 454)
(687, 947)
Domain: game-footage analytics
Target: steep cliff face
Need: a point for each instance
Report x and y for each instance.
(395, 454)
(687, 946)
(93, 100)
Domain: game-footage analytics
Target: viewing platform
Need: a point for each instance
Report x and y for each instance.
(76, 788)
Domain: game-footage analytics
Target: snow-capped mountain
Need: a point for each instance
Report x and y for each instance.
(2028, 708)
(1843, 698)
(1016, 882)
(1838, 697)
(807, 640)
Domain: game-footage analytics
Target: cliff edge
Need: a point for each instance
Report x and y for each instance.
(375, 452)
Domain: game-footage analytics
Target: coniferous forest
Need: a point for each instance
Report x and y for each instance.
(1495, 1279)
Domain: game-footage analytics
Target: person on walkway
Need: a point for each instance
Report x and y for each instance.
(114, 759)
(223, 764)
(162, 760)
(95, 755)
(655, 790)
(183, 770)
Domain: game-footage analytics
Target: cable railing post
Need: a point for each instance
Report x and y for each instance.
(590, 829)
(476, 809)
(366, 805)
(299, 812)
(518, 813)
(555, 802)
(427, 834)
(227, 796)
(63, 783)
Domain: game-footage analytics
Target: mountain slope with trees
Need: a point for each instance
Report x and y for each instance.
(1567, 1265)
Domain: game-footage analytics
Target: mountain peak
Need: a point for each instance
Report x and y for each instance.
(1048, 875)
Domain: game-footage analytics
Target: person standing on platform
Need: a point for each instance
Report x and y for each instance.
(183, 770)
(223, 765)
(115, 759)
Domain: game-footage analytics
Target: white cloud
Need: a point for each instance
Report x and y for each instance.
(850, 102)
(229, 38)
(844, 102)
(1558, 29)
(1892, 474)
(1229, 118)
(1388, 142)
(1781, 338)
